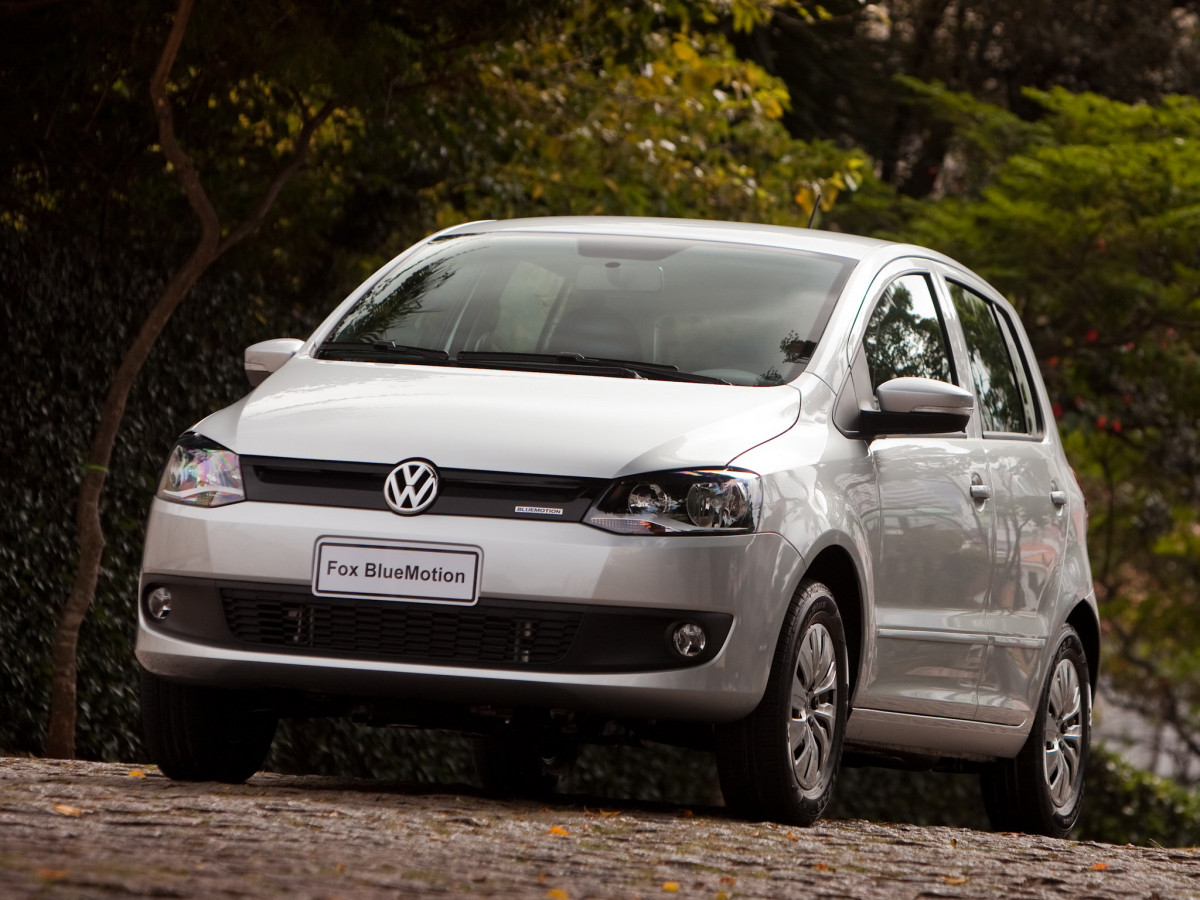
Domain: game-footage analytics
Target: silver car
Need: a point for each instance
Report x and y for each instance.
(784, 494)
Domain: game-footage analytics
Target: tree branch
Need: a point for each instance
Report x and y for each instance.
(185, 171)
(303, 141)
(60, 738)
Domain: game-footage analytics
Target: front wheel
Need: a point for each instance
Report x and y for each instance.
(1041, 790)
(198, 733)
(782, 760)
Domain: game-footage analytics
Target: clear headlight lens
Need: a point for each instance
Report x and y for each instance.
(201, 473)
(694, 501)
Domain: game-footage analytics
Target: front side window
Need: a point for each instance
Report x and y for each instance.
(1001, 383)
(735, 313)
(905, 335)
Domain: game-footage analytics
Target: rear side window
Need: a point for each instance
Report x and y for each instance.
(1001, 382)
(905, 335)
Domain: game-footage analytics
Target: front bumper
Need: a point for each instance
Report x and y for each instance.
(250, 557)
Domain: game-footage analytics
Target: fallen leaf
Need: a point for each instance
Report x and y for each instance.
(52, 874)
(556, 894)
(1099, 867)
(559, 830)
(791, 836)
(670, 886)
(821, 867)
(728, 879)
(686, 813)
(340, 868)
(543, 878)
(136, 773)
(954, 879)
(721, 895)
(64, 810)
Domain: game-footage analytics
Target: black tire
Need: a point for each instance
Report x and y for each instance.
(519, 762)
(1040, 791)
(781, 761)
(204, 734)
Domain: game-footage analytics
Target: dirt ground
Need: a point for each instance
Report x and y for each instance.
(79, 829)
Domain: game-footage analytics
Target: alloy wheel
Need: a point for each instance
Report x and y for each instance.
(1064, 731)
(813, 708)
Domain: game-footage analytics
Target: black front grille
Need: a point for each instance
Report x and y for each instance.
(461, 492)
(497, 635)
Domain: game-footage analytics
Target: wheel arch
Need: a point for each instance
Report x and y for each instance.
(835, 567)
(1083, 619)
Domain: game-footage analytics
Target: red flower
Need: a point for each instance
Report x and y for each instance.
(1093, 335)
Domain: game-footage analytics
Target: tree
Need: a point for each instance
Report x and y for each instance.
(331, 132)
(1089, 221)
(841, 68)
(211, 244)
(293, 109)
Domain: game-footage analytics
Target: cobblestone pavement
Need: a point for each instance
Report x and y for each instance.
(76, 829)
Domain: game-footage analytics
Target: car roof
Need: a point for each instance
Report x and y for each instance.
(828, 242)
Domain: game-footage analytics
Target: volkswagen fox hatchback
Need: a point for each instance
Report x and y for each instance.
(783, 494)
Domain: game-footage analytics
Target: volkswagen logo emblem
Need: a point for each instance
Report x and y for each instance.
(411, 487)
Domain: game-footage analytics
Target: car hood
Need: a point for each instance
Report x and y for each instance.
(498, 420)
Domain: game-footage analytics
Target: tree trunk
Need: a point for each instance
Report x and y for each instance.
(60, 738)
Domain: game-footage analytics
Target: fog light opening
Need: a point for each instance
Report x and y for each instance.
(689, 640)
(159, 603)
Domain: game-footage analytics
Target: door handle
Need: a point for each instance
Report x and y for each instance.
(980, 492)
(1058, 498)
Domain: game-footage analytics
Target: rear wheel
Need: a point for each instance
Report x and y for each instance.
(1041, 790)
(782, 760)
(204, 734)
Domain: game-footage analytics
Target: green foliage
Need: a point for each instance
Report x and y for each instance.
(1126, 805)
(1089, 221)
(629, 110)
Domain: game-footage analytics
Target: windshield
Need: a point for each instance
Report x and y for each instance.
(725, 312)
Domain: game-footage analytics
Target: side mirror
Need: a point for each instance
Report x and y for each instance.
(918, 406)
(266, 357)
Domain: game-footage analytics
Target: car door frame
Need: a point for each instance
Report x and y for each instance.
(940, 644)
(1018, 635)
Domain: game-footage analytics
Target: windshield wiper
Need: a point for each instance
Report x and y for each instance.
(579, 363)
(379, 350)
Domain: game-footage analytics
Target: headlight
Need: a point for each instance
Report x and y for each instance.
(201, 473)
(695, 501)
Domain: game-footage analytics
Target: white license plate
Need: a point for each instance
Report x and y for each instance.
(431, 573)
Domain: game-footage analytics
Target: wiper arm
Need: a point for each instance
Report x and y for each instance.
(422, 352)
(578, 362)
(380, 349)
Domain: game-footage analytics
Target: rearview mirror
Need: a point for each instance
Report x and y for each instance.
(918, 406)
(266, 357)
